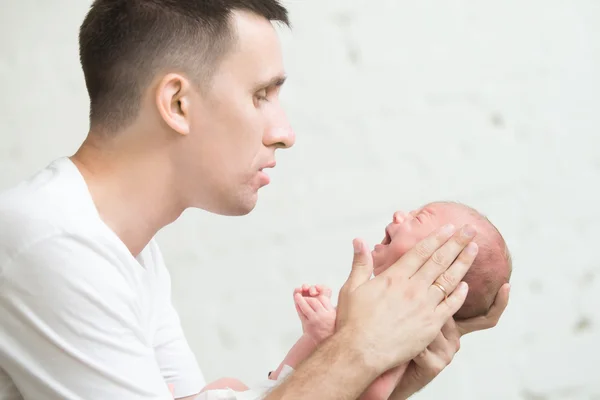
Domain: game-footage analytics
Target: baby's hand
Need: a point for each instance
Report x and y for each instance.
(317, 314)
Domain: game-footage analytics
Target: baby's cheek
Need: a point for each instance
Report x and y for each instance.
(393, 253)
(401, 247)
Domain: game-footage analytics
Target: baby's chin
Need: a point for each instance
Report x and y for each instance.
(379, 259)
(377, 254)
(384, 257)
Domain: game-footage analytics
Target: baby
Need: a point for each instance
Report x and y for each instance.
(490, 270)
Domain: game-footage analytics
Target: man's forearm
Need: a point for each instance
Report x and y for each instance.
(335, 371)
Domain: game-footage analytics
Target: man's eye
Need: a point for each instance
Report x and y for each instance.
(262, 95)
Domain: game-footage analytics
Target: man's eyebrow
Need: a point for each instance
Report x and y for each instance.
(273, 82)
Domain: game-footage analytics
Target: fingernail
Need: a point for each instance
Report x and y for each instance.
(357, 246)
(463, 287)
(468, 231)
(448, 229)
(472, 248)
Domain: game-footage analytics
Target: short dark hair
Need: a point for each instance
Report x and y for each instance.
(124, 43)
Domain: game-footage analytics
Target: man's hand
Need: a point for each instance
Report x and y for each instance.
(429, 363)
(385, 321)
(391, 318)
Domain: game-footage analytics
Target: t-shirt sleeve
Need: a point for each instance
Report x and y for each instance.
(72, 326)
(177, 362)
(257, 391)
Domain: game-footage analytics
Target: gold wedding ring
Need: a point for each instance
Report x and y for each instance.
(439, 286)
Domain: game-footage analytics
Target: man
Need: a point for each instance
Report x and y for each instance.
(184, 112)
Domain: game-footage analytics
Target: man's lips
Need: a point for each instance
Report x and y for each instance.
(265, 179)
(269, 165)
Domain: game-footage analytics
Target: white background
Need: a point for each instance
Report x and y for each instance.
(394, 103)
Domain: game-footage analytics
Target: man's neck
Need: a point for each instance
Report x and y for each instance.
(133, 191)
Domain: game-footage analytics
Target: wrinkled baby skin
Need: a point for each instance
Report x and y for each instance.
(490, 270)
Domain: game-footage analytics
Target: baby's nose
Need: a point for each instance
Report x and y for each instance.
(399, 217)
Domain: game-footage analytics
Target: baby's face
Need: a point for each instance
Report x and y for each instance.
(405, 231)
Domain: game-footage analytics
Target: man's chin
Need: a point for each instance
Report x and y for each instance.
(237, 209)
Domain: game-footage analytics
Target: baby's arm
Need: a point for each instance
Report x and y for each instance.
(317, 315)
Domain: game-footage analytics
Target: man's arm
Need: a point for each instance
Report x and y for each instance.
(336, 370)
(72, 326)
(439, 354)
(385, 321)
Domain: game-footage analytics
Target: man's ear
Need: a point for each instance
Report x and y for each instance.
(173, 97)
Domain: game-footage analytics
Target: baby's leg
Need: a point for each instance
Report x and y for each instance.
(224, 383)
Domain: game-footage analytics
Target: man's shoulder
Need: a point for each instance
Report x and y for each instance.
(45, 204)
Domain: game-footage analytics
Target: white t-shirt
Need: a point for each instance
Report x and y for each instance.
(256, 392)
(80, 317)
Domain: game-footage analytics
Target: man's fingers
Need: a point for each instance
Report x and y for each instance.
(491, 318)
(361, 272)
(442, 258)
(437, 356)
(447, 308)
(416, 257)
(362, 266)
(449, 280)
(500, 303)
(450, 330)
(451, 335)
(430, 364)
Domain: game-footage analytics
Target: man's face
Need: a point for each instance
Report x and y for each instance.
(239, 123)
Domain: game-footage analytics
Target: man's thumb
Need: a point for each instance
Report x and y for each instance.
(362, 265)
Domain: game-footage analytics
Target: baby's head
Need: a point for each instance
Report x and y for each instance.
(490, 270)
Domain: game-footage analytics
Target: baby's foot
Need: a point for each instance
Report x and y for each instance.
(316, 313)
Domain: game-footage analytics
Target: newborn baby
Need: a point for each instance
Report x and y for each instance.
(490, 270)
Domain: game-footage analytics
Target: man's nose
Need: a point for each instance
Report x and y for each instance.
(280, 133)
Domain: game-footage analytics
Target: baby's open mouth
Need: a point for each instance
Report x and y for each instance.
(387, 239)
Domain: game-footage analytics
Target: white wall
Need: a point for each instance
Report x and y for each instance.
(492, 103)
